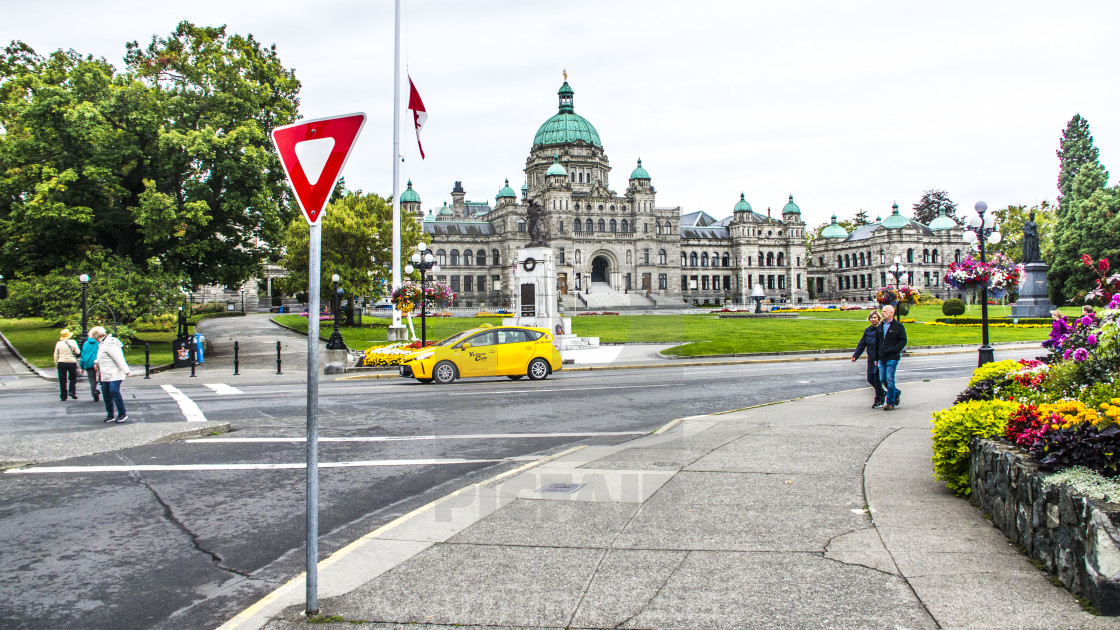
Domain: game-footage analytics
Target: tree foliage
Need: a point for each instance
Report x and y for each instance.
(357, 244)
(932, 201)
(861, 218)
(1010, 221)
(1086, 220)
(168, 162)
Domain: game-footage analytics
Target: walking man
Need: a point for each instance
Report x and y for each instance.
(891, 340)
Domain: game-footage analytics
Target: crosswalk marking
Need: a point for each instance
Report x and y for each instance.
(186, 405)
(292, 466)
(223, 389)
(406, 438)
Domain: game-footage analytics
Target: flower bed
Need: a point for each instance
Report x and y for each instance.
(594, 313)
(389, 354)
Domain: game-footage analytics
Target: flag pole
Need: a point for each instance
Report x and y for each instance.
(396, 329)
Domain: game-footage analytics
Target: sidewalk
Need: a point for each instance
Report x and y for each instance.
(814, 513)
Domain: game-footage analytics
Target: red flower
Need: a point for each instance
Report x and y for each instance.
(1103, 266)
(1087, 259)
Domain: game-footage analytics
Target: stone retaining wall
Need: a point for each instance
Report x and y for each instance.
(1073, 538)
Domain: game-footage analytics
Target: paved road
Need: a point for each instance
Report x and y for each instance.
(210, 526)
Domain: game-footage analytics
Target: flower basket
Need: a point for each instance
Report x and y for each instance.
(407, 296)
(1000, 275)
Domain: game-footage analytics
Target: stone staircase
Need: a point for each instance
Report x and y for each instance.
(603, 297)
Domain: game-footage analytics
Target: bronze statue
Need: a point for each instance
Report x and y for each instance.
(535, 225)
(1030, 242)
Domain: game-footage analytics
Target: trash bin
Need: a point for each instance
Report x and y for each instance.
(280, 310)
(181, 352)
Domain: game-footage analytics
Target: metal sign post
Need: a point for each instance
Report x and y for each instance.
(313, 419)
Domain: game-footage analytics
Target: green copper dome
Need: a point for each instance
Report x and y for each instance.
(556, 168)
(833, 230)
(743, 206)
(506, 191)
(446, 209)
(791, 208)
(639, 173)
(410, 196)
(566, 126)
(896, 220)
(942, 222)
(429, 217)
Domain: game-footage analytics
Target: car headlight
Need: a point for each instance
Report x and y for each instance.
(423, 355)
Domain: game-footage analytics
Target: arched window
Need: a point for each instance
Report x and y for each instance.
(629, 259)
(441, 257)
(684, 259)
(600, 205)
(839, 261)
(726, 259)
(602, 225)
(662, 257)
(692, 259)
(822, 260)
(625, 226)
(612, 207)
(910, 255)
(882, 257)
(847, 261)
(573, 178)
(578, 225)
(769, 259)
(624, 208)
(781, 259)
(587, 226)
(521, 225)
(581, 178)
(494, 258)
(925, 255)
(614, 225)
(703, 259)
(658, 228)
(577, 207)
(468, 258)
(935, 256)
(668, 228)
(957, 255)
(454, 257)
(861, 263)
(480, 258)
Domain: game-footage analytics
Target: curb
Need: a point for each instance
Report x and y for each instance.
(216, 427)
(24, 361)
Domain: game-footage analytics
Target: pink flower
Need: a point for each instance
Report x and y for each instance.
(1115, 303)
(1086, 321)
(1065, 355)
(1092, 340)
(1080, 354)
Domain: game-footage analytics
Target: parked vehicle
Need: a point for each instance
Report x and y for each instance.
(510, 351)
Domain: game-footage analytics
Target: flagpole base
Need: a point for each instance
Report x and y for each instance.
(398, 333)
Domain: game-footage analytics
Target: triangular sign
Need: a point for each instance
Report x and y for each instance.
(313, 153)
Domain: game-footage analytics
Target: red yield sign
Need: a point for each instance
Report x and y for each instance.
(313, 153)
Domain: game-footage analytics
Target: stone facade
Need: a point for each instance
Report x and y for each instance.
(620, 243)
(1073, 538)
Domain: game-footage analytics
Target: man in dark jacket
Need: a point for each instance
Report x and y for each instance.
(890, 341)
(868, 343)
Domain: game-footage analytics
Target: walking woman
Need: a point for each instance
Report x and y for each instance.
(868, 343)
(110, 359)
(88, 362)
(66, 360)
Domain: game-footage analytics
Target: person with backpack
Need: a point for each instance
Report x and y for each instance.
(66, 360)
(88, 362)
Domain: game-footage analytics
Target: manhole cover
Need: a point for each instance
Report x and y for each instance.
(562, 488)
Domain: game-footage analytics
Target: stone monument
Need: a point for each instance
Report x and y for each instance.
(1034, 300)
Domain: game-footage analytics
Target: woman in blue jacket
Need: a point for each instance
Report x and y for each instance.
(868, 343)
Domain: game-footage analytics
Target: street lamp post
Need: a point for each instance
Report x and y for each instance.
(896, 270)
(84, 279)
(978, 231)
(242, 301)
(422, 260)
(335, 342)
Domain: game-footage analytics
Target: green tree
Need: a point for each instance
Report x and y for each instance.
(931, 203)
(357, 244)
(861, 218)
(1080, 176)
(168, 162)
(1010, 221)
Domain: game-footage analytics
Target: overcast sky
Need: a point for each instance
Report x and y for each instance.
(844, 105)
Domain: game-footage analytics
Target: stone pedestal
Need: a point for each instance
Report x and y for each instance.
(336, 361)
(1034, 301)
(537, 303)
(398, 332)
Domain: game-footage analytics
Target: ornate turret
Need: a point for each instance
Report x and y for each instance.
(896, 220)
(834, 230)
(410, 203)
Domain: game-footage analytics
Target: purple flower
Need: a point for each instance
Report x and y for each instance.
(1080, 354)
(1115, 303)
(1065, 355)
(1086, 321)
(1092, 339)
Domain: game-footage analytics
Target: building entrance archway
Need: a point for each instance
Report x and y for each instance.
(599, 268)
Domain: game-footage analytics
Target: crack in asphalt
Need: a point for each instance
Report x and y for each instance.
(169, 515)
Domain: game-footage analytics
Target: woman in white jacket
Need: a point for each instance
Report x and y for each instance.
(114, 369)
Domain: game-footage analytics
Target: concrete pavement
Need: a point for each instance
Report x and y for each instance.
(813, 513)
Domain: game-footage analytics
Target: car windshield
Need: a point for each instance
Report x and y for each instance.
(456, 338)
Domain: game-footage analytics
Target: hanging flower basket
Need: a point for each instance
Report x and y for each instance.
(903, 295)
(407, 296)
(1000, 275)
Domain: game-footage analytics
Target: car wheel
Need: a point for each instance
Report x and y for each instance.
(424, 380)
(538, 369)
(444, 373)
(515, 377)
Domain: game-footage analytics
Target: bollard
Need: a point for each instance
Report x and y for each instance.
(278, 358)
(194, 356)
(235, 361)
(147, 360)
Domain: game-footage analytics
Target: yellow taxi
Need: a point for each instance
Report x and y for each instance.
(511, 351)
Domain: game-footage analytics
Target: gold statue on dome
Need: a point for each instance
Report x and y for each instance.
(565, 74)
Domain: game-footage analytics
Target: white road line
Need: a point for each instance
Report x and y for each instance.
(405, 438)
(298, 465)
(556, 389)
(223, 389)
(186, 405)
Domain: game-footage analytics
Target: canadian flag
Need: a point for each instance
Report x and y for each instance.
(419, 114)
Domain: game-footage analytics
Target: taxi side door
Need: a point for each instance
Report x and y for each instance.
(514, 351)
(478, 355)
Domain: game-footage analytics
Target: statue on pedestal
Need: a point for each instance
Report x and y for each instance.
(535, 225)
(1030, 242)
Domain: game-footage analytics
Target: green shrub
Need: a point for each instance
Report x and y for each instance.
(929, 299)
(995, 371)
(210, 307)
(953, 307)
(903, 309)
(156, 323)
(953, 430)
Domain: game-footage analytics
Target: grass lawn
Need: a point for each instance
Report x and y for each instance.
(35, 341)
(703, 334)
